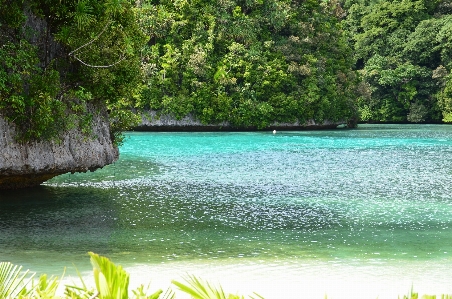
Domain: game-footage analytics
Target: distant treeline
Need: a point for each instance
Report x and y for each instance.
(403, 53)
(247, 62)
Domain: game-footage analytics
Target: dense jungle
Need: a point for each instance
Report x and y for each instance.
(250, 63)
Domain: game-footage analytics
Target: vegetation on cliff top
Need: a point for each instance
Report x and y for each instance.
(57, 57)
(247, 62)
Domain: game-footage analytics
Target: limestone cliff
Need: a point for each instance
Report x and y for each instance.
(154, 121)
(30, 164)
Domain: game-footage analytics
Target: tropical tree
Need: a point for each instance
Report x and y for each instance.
(78, 53)
(402, 53)
(247, 63)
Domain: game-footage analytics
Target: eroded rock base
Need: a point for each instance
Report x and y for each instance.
(30, 164)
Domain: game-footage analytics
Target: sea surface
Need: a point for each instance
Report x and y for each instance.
(362, 213)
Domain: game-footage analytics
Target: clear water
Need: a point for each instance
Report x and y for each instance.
(294, 205)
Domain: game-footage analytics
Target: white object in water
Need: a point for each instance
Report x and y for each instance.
(274, 131)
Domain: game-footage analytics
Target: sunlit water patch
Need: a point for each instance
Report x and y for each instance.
(374, 203)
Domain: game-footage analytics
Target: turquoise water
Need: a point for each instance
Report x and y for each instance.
(378, 195)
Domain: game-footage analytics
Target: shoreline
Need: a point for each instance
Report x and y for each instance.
(294, 279)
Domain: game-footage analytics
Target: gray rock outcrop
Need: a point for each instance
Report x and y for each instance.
(154, 121)
(30, 164)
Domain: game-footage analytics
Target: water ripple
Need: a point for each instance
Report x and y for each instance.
(376, 194)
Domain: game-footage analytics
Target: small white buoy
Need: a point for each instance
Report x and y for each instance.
(274, 131)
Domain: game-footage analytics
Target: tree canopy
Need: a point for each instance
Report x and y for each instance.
(402, 50)
(57, 56)
(247, 62)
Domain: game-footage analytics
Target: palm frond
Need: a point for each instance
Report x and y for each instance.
(169, 294)
(45, 288)
(13, 281)
(76, 292)
(112, 281)
(200, 289)
(142, 293)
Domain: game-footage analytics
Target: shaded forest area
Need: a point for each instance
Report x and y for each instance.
(246, 62)
(402, 52)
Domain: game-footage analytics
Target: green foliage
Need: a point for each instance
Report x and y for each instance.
(418, 113)
(398, 46)
(43, 92)
(386, 25)
(13, 281)
(249, 64)
(143, 293)
(13, 16)
(83, 14)
(112, 282)
(199, 289)
(28, 93)
(44, 288)
(445, 98)
(106, 41)
(120, 119)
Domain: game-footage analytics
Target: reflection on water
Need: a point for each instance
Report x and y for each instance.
(377, 196)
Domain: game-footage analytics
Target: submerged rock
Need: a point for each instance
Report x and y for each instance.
(29, 164)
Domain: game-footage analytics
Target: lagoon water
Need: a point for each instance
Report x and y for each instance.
(360, 213)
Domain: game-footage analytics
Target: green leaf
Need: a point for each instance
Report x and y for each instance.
(13, 281)
(112, 281)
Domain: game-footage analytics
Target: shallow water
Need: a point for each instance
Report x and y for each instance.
(364, 212)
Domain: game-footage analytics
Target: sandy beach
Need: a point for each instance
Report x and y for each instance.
(294, 279)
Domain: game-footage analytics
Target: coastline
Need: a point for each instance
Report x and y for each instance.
(297, 278)
(154, 121)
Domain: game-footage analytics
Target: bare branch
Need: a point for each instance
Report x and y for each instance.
(101, 66)
(72, 53)
(91, 41)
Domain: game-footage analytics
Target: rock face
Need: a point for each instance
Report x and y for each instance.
(153, 121)
(30, 164)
